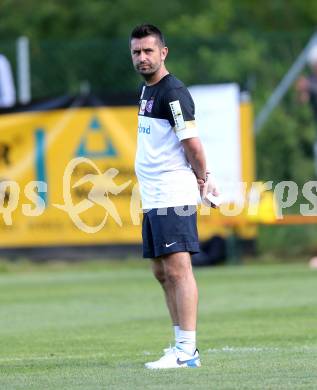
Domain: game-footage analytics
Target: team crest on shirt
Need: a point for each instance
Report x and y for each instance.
(142, 107)
(149, 105)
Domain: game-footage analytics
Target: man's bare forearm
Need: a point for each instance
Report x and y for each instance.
(195, 155)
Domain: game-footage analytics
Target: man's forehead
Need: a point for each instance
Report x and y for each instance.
(142, 43)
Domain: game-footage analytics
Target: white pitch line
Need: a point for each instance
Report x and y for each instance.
(225, 349)
(228, 349)
(53, 357)
(59, 357)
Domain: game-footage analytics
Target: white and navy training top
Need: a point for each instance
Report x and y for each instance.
(166, 117)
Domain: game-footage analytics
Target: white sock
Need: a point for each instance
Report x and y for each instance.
(186, 341)
(176, 331)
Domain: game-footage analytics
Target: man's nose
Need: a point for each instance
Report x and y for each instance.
(142, 56)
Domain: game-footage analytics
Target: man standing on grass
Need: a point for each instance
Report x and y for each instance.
(170, 166)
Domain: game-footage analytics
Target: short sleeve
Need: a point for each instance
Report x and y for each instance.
(180, 110)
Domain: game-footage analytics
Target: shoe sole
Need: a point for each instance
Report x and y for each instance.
(170, 368)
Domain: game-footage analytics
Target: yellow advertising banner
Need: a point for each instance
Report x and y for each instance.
(67, 178)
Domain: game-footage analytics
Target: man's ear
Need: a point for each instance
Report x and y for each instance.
(164, 53)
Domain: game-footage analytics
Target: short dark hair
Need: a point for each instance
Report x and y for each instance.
(145, 30)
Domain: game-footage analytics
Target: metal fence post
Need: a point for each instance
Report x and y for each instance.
(23, 69)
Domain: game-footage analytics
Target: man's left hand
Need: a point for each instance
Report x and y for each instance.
(207, 187)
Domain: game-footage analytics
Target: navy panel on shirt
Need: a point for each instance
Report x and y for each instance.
(158, 97)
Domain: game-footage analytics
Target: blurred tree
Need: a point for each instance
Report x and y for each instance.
(107, 18)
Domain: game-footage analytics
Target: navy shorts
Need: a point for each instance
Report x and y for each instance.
(169, 230)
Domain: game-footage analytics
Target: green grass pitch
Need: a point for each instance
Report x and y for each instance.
(93, 325)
